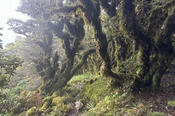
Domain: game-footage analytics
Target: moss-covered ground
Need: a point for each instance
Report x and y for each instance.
(91, 95)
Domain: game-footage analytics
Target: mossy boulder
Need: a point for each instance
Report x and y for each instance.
(61, 104)
(56, 105)
(156, 114)
(61, 109)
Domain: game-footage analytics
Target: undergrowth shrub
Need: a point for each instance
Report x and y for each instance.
(9, 98)
(31, 99)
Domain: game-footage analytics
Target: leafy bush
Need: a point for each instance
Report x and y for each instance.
(8, 65)
(9, 97)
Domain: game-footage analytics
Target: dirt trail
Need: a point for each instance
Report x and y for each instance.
(159, 101)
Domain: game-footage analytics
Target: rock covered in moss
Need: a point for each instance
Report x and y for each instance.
(61, 105)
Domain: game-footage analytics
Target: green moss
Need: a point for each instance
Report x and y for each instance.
(48, 110)
(106, 105)
(139, 55)
(67, 107)
(58, 100)
(80, 78)
(156, 114)
(46, 103)
(96, 91)
(45, 106)
(89, 114)
(98, 98)
(55, 113)
(61, 105)
(56, 93)
(139, 71)
(132, 112)
(171, 103)
(31, 112)
(62, 108)
(71, 91)
(48, 98)
(56, 106)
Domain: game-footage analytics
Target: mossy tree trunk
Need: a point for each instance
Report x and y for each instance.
(152, 41)
(153, 46)
(91, 10)
(62, 78)
(71, 43)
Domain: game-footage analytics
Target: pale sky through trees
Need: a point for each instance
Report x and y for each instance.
(7, 11)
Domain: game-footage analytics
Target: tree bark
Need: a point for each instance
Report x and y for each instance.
(152, 46)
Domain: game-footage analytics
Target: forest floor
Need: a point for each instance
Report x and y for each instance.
(96, 97)
(90, 95)
(160, 103)
(161, 100)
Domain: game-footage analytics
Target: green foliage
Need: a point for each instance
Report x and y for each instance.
(9, 97)
(8, 65)
(57, 105)
(13, 46)
(21, 85)
(105, 106)
(3, 80)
